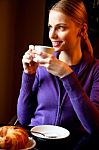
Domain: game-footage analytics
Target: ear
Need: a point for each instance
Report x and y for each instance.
(83, 30)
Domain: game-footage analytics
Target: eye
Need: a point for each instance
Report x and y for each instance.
(62, 28)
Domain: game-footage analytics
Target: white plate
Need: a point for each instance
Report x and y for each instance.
(31, 144)
(50, 132)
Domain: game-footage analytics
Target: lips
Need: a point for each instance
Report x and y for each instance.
(56, 43)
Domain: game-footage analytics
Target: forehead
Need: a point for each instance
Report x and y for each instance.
(58, 16)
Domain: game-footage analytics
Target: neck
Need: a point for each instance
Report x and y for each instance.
(71, 59)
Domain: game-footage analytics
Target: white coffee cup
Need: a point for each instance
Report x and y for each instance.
(46, 49)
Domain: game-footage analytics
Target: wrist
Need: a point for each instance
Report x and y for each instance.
(66, 72)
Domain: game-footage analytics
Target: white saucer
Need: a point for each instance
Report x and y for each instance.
(50, 132)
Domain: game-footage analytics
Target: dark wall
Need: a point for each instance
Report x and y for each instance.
(21, 24)
(93, 15)
(29, 30)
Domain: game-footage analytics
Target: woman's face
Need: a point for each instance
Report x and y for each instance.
(63, 32)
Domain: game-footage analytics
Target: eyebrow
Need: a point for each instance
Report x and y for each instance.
(59, 24)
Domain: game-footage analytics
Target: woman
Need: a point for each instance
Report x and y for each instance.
(63, 89)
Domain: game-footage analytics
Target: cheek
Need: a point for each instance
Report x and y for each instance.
(69, 38)
(65, 36)
(67, 41)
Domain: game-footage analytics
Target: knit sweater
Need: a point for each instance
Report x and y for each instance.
(71, 102)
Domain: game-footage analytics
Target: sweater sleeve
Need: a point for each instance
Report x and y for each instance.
(25, 101)
(86, 108)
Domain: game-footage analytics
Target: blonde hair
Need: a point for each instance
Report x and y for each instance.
(77, 11)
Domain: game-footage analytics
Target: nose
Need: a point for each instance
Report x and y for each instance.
(52, 34)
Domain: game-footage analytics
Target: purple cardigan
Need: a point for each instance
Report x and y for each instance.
(71, 102)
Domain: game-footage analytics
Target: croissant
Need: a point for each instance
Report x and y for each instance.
(13, 138)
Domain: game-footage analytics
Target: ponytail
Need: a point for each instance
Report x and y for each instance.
(86, 44)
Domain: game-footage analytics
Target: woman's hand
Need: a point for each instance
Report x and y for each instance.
(29, 65)
(54, 65)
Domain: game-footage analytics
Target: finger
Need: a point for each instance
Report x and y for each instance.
(31, 47)
(44, 65)
(41, 60)
(42, 54)
(27, 56)
(26, 60)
